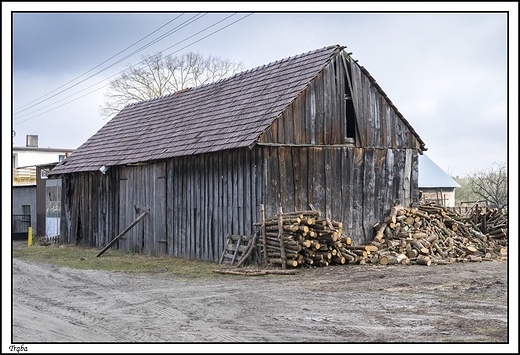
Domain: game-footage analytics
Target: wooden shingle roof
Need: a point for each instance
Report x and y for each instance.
(230, 113)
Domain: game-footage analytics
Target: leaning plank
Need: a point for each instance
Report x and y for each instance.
(280, 237)
(250, 247)
(141, 216)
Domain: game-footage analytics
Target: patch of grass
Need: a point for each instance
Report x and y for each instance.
(492, 333)
(115, 260)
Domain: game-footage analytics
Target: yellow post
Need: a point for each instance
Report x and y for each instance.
(29, 236)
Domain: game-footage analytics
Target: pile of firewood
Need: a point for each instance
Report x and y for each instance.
(305, 238)
(427, 234)
(433, 234)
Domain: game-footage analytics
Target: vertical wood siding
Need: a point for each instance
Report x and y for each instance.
(89, 214)
(212, 195)
(194, 202)
(357, 186)
(143, 187)
(378, 120)
(318, 115)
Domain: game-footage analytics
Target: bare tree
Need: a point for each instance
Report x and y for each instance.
(159, 76)
(464, 194)
(491, 185)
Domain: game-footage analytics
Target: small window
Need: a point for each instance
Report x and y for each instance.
(351, 121)
(27, 212)
(350, 113)
(62, 157)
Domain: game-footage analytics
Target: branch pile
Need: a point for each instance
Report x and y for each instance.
(433, 234)
(492, 221)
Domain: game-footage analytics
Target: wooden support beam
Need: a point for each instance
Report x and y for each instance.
(141, 216)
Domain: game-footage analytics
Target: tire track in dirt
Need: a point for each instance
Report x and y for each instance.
(342, 304)
(60, 321)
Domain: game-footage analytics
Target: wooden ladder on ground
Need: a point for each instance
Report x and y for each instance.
(236, 246)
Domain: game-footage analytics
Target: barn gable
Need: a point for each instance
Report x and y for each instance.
(343, 105)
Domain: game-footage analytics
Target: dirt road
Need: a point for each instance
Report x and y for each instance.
(462, 302)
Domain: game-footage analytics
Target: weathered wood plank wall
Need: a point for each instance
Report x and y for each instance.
(378, 120)
(89, 214)
(357, 186)
(210, 196)
(194, 202)
(317, 116)
(143, 187)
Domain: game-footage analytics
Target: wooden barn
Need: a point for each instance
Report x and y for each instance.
(315, 129)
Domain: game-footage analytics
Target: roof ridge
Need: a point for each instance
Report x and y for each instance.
(245, 72)
(282, 60)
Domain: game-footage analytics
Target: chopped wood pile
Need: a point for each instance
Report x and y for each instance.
(425, 235)
(308, 239)
(433, 234)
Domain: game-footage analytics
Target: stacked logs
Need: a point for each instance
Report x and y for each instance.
(425, 235)
(433, 234)
(308, 238)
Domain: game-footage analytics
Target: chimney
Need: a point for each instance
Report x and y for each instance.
(31, 140)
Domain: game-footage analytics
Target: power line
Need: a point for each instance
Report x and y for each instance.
(97, 65)
(30, 118)
(193, 19)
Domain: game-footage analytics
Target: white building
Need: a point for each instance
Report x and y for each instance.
(26, 158)
(34, 199)
(435, 184)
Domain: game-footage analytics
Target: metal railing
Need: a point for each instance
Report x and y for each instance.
(20, 225)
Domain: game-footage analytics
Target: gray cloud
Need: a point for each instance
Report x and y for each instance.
(446, 73)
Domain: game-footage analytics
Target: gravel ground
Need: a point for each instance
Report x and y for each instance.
(459, 304)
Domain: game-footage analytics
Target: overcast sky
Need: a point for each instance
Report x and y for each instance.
(447, 73)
